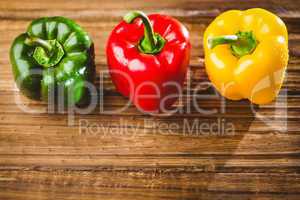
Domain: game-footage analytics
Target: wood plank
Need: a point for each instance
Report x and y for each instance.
(150, 182)
(132, 141)
(175, 163)
(95, 193)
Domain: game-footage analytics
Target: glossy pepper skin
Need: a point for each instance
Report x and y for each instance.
(55, 56)
(246, 54)
(152, 77)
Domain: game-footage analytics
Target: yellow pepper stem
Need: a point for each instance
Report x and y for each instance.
(241, 44)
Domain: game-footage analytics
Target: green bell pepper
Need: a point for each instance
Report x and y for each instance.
(53, 61)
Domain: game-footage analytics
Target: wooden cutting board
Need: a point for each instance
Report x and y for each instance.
(131, 155)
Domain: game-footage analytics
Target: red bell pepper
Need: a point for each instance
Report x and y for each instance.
(148, 59)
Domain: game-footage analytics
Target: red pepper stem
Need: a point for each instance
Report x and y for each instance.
(152, 43)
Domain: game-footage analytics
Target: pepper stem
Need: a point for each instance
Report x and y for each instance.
(151, 43)
(241, 44)
(47, 53)
(38, 41)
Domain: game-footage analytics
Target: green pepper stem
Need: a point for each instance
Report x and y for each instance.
(152, 42)
(47, 53)
(38, 41)
(225, 39)
(241, 44)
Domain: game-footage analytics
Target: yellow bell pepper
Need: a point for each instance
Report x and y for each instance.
(246, 54)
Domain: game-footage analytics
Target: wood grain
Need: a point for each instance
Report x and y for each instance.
(131, 155)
